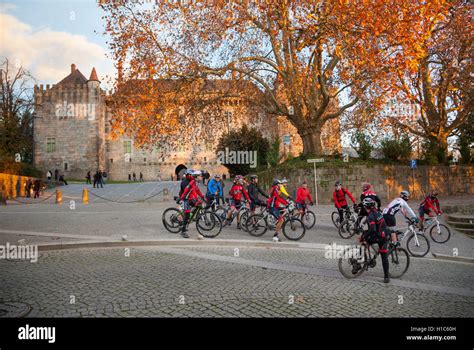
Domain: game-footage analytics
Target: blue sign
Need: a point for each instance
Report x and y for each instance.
(286, 140)
(413, 164)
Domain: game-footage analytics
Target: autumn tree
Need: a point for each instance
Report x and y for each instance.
(311, 60)
(16, 117)
(439, 79)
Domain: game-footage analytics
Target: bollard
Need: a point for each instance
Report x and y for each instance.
(59, 197)
(85, 196)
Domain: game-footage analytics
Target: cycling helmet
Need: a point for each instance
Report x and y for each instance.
(434, 194)
(366, 186)
(338, 183)
(284, 181)
(238, 179)
(368, 203)
(196, 173)
(217, 176)
(276, 182)
(405, 195)
(253, 177)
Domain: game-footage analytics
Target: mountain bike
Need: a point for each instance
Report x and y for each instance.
(243, 213)
(417, 243)
(348, 214)
(439, 233)
(207, 222)
(307, 216)
(355, 260)
(353, 225)
(293, 228)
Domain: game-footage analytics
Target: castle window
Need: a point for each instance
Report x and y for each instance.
(65, 166)
(50, 145)
(111, 160)
(127, 147)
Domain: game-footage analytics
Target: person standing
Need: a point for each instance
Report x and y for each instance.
(49, 174)
(37, 188)
(88, 178)
(129, 178)
(134, 177)
(213, 189)
(28, 186)
(99, 179)
(141, 176)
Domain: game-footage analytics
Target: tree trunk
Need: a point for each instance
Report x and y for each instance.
(312, 141)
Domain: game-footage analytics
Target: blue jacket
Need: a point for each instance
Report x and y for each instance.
(213, 186)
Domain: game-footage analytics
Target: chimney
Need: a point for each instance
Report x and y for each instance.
(73, 68)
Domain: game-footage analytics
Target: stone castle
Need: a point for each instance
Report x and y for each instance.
(72, 133)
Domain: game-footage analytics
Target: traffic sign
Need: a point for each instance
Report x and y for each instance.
(413, 164)
(316, 160)
(286, 140)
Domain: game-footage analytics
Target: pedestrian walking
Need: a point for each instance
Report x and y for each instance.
(37, 188)
(141, 177)
(28, 187)
(88, 178)
(134, 177)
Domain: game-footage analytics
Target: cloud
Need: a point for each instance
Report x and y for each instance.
(48, 54)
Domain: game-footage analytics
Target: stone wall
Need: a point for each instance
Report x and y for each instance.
(387, 180)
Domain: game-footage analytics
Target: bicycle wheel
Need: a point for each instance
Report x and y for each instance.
(399, 261)
(208, 224)
(221, 212)
(243, 219)
(347, 229)
(352, 261)
(256, 225)
(309, 219)
(335, 218)
(440, 233)
(173, 219)
(293, 229)
(419, 246)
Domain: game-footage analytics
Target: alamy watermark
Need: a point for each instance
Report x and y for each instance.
(237, 157)
(19, 252)
(76, 110)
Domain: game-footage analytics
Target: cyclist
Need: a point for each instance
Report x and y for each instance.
(213, 189)
(283, 183)
(393, 208)
(303, 195)
(254, 190)
(236, 192)
(275, 203)
(339, 196)
(367, 193)
(377, 233)
(430, 203)
(190, 197)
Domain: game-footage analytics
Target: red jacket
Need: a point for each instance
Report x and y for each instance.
(275, 200)
(339, 197)
(302, 194)
(191, 191)
(236, 192)
(429, 203)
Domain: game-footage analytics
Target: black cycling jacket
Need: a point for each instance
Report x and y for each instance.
(253, 190)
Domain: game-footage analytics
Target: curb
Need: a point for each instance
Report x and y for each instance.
(453, 258)
(177, 242)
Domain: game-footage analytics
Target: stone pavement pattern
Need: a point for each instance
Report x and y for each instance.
(210, 282)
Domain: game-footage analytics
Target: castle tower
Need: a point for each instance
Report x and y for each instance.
(69, 125)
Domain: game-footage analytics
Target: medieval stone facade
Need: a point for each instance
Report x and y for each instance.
(72, 133)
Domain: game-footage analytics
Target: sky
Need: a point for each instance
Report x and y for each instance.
(47, 36)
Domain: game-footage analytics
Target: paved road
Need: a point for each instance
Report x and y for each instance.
(105, 220)
(214, 282)
(206, 280)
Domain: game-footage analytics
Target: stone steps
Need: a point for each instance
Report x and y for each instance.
(462, 223)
